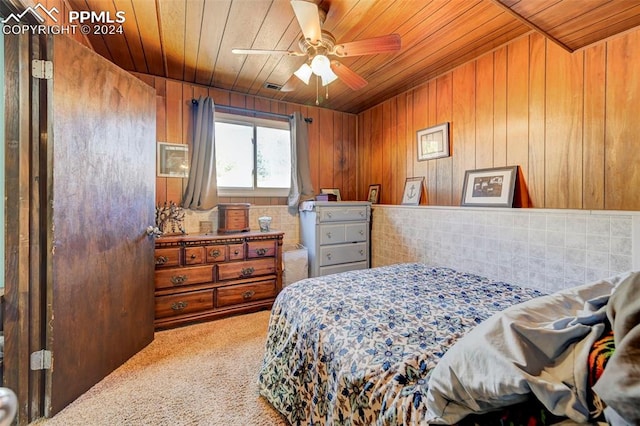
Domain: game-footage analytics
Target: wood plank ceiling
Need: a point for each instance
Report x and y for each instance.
(191, 40)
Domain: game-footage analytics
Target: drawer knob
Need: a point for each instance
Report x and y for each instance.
(261, 251)
(362, 252)
(214, 253)
(246, 272)
(361, 232)
(178, 279)
(362, 213)
(329, 256)
(236, 251)
(328, 234)
(248, 294)
(178, 306)
(161, 260)
(329, 214)
(193, 256)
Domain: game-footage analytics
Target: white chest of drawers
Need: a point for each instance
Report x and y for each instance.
(336, 235)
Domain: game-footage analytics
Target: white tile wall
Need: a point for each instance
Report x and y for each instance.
(281, 220)
(545, 249)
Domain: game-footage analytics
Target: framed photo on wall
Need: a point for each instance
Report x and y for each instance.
(374, 193)
(489, 187)
(173, 160)
(412, 191)
(433, 142)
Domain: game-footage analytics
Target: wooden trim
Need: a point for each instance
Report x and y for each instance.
(22, 316)
(531, 25)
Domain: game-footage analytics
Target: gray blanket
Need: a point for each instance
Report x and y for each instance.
(539, 347)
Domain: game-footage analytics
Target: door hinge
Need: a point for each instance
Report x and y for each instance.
(42, 69)
(41, 360)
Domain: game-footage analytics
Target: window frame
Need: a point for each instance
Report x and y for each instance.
(254, 122)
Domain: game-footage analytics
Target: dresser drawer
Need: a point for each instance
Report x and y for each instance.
(335, 269)
(217, 253)
(236, 251)
(244, 293)
(167, 257)
(346, 253)
(250, 268)
(342, 214)
(343, 233)
(194, 255)
(184, 303)
(183, 276)
(261, 249)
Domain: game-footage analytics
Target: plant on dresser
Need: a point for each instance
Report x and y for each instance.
(203, 277)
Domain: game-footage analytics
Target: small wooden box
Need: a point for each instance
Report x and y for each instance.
(326, 197)
(233, 217)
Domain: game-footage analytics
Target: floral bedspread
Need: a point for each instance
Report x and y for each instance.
(357, 348)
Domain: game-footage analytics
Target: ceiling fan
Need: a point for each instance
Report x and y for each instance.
(318, 44)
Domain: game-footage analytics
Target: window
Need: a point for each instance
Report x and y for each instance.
(253, 156)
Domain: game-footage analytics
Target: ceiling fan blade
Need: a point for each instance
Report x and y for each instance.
(308, 18)
(370, 46)
(348, 77)
(266, 52)
(292, 84)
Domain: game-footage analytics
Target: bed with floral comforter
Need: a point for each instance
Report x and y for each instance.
(358, 348)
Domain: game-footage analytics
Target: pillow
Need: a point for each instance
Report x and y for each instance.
(619, 385)
(539, 346)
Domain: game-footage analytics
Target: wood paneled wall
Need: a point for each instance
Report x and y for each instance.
(63, 20)
(568, 120)
(332, 136)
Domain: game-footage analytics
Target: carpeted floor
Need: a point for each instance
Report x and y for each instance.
(203, 374)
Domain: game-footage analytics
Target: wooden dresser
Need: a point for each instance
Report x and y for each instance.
(336, 235)
(203, 277)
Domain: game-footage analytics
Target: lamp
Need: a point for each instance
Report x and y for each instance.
(320, 66)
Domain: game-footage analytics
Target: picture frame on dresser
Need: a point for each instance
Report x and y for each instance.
(493, 187)
(412, 191)
(433, 142)
(374, 193)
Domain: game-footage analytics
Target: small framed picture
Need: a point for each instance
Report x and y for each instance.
(374, 193)
(433, 142)
(412, 191)
(489, 187)
(334, 191)
(173, 160)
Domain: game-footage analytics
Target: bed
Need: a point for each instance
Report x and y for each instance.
(361, 347)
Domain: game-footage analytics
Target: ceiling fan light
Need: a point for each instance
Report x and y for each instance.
(304, 73)
(328, 77)
(320, 64)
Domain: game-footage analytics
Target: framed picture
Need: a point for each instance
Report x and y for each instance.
(489, 187)
(334, 191)
(374, 193)
(173, 160)
(412, 191)
(433, 142)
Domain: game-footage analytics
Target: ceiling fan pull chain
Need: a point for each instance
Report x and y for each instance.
(326, 93)
(317, 91)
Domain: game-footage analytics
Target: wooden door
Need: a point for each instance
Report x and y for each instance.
(100, 196)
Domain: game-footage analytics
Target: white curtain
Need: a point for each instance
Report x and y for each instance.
(202, 186)
(301, 186)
